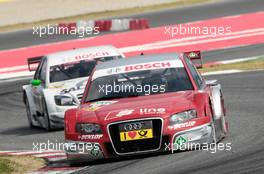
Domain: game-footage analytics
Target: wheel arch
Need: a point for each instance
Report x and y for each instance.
(216, 101)
(27, 95)
(48, 98)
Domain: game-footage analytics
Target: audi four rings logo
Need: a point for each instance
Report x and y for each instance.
(133, 126)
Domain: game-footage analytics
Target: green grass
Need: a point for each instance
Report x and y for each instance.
(257, 64)
(6, 166)
(19, 164)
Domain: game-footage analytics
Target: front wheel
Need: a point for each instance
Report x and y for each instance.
(46, 119)
(29, 114)
(224, 126)
(213, 136)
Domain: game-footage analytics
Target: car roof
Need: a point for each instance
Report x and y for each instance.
(138, 60)
(82, 53)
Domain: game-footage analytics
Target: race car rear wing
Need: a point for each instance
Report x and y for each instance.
(33, 63)
(195, 57)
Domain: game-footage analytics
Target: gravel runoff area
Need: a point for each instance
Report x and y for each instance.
(26, 11)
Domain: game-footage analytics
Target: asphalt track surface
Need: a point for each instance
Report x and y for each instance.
(179, 15)
(244, 99)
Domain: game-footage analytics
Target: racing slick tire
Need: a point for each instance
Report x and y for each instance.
(29, 114)
(74, 163)
(214, 139)
(224, 126)
(46, 120)
(223, 129)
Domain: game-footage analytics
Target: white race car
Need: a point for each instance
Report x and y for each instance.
(59, 82)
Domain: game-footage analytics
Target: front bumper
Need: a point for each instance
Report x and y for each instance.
(83, 151)
(192, 138)
(172, 140)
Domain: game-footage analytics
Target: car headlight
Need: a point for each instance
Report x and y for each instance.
(63, 100)
(88, 128)
(183, 117)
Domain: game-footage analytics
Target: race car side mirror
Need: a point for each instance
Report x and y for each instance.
(35, 82)
(195, 57)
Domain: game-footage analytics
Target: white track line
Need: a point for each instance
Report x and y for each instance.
(16, 74)
(50, 154)
(239, 60)
(153, 47)
(35, 152)
(232, 71)
(191, 40)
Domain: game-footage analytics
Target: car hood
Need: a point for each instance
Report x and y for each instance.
(162, 105)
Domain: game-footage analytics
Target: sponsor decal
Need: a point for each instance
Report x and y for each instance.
(112, 115)
(90, 137)
(114, 70)
(97, 105)
(83, 56)
(193, 55)
(133, 126)
(180, 140)
(183, 125)
(150, 111)
(95, 151)
(136, 130)
(92, 55)
(125, 112)
(56, 85)
(146, 66)
(136, 135)
(138, 67)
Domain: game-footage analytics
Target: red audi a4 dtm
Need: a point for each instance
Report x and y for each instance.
(145, 104)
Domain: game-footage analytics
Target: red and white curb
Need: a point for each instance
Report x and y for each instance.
(51, 157)
(107, 25)
(56, 170)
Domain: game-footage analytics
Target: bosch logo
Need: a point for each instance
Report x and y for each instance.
(133, 126)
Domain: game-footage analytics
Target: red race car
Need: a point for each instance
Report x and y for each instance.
(145, 104)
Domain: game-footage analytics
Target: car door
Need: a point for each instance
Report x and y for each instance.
(37, 91)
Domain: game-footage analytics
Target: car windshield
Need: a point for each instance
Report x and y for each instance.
(139, 83)
(77, 69)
